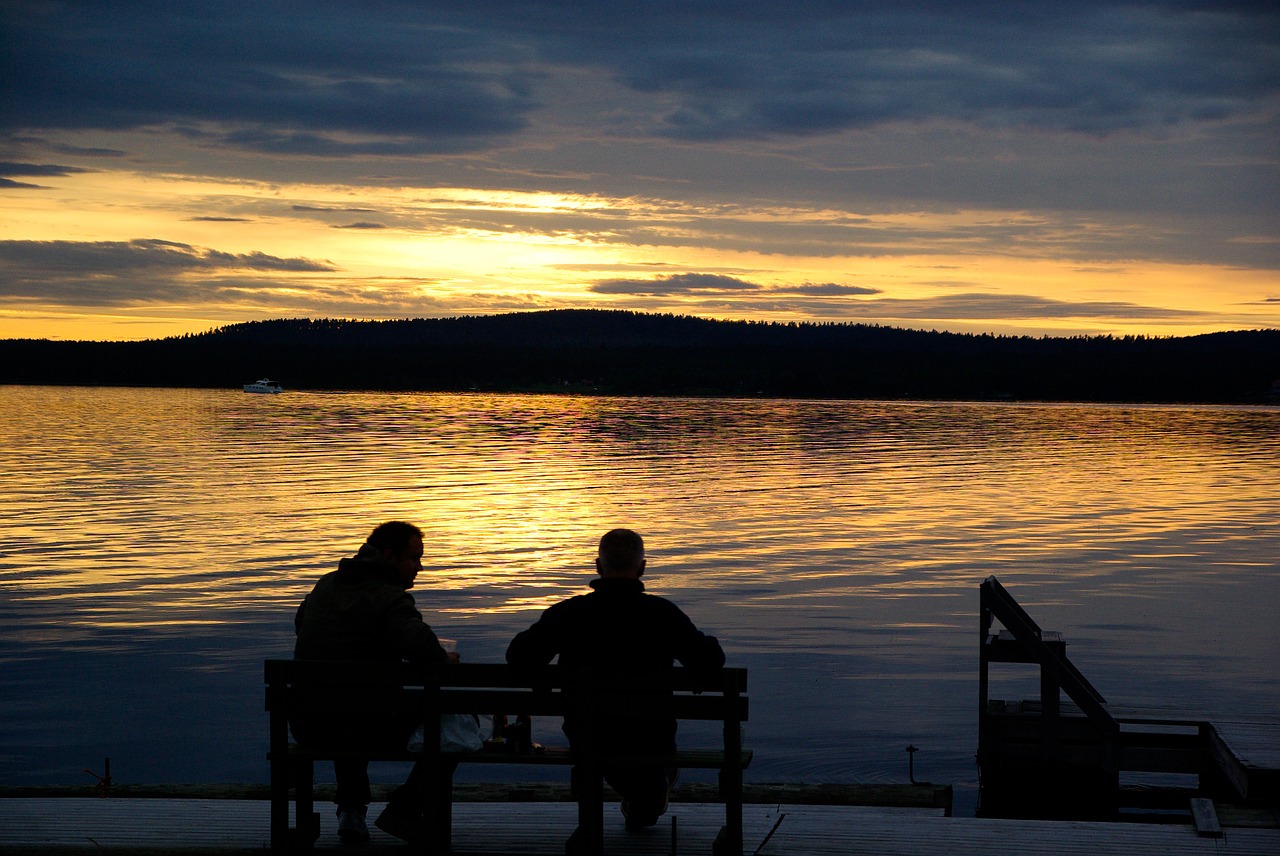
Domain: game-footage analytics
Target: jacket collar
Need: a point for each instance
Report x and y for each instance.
(617, 585)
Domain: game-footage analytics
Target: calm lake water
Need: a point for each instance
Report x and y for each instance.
(154, 544)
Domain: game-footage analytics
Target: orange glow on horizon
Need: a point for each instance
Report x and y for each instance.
(414, 252)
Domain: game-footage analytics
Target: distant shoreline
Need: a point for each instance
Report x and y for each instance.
(611, 353)
(1266, 402)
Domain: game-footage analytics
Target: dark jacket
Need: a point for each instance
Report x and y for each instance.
(363, 612)
(621, 631)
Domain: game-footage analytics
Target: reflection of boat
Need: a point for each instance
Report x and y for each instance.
(263, 385)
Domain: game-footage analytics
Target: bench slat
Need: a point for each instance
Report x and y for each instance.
(392, 700)
(691, 759)
(357, 673)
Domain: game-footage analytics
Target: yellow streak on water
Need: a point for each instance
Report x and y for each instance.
(152, 508)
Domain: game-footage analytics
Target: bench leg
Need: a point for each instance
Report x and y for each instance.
(280, 769)
(307, 822)
(296, 774)
(723, 845)
(729, 841)
(587, 786)
(439, 808)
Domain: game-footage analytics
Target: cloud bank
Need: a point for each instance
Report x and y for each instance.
(125, 272)
(432, 77)
(713, 157)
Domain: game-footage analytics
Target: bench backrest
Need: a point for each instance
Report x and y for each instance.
(295, 686)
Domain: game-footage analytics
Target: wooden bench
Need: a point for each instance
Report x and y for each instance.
(426, 692)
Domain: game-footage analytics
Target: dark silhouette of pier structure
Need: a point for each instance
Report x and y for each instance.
(1055, 758)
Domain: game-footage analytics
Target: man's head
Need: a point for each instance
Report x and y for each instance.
(401, 545)
(621, 554)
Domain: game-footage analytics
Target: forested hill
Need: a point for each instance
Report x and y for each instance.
(626, 353)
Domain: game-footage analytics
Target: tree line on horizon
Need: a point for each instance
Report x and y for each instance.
(616, 352)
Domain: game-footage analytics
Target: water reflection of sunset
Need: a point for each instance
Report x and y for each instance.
(841, 540)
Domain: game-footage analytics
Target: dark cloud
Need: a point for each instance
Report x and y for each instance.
(327, 79)
(83, 151)
(323, 208)
(398, 78)
(648, 266)
(973, 309)
(43, 169)
(831, 289)
(64, 148)
(220, 219)
(122, 274)
(811, 68)
(32, 169)
(709, 283)
(361, 225)
(980, 306)
(678, 283)
(122, 257)
(856, 303)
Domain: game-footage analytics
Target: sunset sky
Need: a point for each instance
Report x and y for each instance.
(1042, 168)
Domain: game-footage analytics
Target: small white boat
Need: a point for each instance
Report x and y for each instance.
(263, 385)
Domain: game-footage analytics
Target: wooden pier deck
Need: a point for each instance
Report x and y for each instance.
(204, 827)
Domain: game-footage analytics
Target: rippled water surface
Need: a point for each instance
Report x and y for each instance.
(156, 542)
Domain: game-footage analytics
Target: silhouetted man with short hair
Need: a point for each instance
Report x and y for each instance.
(620, 630)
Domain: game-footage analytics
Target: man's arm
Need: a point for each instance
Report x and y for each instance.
(695, 649)
(536, 646)
(702, 652)
(412, 637)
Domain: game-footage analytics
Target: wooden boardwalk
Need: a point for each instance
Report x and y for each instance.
(120, 826)
(1255, 746)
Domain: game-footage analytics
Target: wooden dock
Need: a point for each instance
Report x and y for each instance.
(204, 827)
(1056, 758)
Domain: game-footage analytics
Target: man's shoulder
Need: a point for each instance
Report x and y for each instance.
(345, 584)
(656, 608)
(657, 601)
(573, 603)
(326, 582)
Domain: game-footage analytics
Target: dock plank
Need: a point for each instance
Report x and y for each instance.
(1254, 747)
(69, 827)
(1256, 742)
(820, 831)
(1205, 817)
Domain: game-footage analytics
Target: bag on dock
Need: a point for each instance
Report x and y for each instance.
(459, 732)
